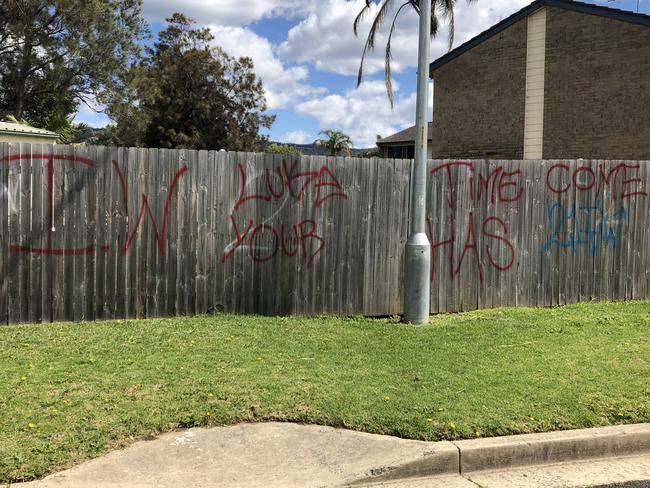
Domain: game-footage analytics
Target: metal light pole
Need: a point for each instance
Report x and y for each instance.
(418, 248)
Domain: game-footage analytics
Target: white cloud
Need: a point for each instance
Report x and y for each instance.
(323, 39)
(283, 85)
(362, 113)
(99, 122)
(325, 36)
(90, 113)
(297, 137)
(223, 12)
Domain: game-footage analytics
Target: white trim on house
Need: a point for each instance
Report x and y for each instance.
(535, 66)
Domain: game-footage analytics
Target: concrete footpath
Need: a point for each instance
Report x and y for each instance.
(290, 455)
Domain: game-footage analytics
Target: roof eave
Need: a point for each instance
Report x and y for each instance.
(399, 143)
(30, 134)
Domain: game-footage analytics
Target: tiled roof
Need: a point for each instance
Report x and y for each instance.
(407, 135)
(11, 128)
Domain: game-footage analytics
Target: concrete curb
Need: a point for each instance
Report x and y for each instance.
(520, 450)
(552, 447)
(442, 459)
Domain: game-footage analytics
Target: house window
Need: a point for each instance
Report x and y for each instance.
(400, 152)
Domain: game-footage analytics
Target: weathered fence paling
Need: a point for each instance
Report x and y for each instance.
(100, 232)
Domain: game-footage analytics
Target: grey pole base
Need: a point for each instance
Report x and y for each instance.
(416, 279)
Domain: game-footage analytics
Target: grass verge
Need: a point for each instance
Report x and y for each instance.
(69, 392)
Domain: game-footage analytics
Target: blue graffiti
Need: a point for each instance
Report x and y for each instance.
(583, 226)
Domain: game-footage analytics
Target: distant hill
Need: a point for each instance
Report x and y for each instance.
(315, 150)
(97, 136)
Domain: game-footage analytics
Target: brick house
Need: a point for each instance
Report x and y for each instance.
(401, 145)
(557, 79)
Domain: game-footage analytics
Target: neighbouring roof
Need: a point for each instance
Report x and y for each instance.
(407, 135)
(585, 8)
(11, 128)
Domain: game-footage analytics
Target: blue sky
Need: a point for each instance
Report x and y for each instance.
(307, 57)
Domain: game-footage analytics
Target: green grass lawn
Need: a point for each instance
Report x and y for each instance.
(69, 392)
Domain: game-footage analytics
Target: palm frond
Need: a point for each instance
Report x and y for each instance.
(363, 58)
(378, 21)
(372, 33)
(447, 9)
(434, 26)
(389, 56)
(443, 7)
(360, 16)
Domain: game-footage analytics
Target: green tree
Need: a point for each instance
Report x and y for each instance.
(283, 149)
(336, 142)
(57, 54)
(369, 153)
(189, 94)
(439, 9)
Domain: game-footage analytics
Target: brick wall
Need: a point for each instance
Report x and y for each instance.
(597, 88)
(478, 108)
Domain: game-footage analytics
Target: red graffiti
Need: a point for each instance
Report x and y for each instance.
(239, 238)
(291, 182)
(159, 236)
(264, 241)
(470, 243)
(584, 178)
(497, 185)
(129, 235)
(50, 250)
(331, 183)
(494, 232)
(502, 239)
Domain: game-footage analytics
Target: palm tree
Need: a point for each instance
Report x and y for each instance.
(336, 142)
(443, 8)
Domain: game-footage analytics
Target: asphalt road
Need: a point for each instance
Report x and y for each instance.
(628, 484)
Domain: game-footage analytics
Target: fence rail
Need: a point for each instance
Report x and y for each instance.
(103, 232)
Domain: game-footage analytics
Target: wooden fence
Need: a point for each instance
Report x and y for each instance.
(102, 232)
